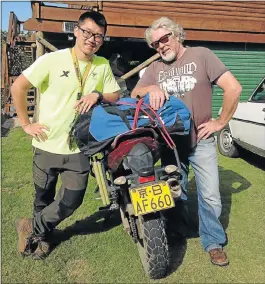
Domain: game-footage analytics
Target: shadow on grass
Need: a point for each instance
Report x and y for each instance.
(230, 183)
(179, 229)
(253, 159)
(4, 131)
(95, 223)
(6, 124)
(177, 252)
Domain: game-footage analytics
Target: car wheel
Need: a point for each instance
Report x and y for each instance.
(225, 143)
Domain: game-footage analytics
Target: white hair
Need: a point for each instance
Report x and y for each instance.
(168, 25)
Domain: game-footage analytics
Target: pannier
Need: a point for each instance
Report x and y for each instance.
(96, 129)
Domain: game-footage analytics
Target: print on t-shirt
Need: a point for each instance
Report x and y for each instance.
(177, 81)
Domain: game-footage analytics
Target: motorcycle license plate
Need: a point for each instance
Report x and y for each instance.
(151, 198)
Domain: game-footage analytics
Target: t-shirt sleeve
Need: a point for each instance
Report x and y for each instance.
(110, 84)
(148, 77)
(38, 71)
(213, 65)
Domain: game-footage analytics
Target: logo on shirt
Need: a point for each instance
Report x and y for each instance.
(177, 81)
(65, 74)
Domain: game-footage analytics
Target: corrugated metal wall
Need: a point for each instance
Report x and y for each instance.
(247, 66)
(245, 60)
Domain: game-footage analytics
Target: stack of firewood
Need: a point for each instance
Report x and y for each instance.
(19, 59)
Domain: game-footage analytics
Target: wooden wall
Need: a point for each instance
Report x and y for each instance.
(207, 21)
(13, 28)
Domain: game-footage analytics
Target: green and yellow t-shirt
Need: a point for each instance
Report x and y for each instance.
(55, 76)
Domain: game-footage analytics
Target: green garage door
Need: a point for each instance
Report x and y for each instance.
(245, 60)
(247, 66)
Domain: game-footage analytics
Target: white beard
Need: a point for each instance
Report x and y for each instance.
(170, 56)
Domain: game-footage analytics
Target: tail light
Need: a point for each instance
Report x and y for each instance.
(170, 169)
(120, 180)
(146, 179)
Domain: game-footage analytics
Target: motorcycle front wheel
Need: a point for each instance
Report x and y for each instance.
(153, 246)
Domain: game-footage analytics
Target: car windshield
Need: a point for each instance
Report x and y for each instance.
(259, 95)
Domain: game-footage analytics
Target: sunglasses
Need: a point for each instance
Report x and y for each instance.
(163, 39)
(88, 34)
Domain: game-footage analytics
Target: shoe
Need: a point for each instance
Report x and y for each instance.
(43, 249)
(24, 230)
(218, 257)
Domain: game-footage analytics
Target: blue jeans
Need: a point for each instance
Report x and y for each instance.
(203, 160)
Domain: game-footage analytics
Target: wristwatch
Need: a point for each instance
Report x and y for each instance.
(100, 96)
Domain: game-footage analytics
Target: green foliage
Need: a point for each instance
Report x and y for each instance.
(90, 251)
(3, 37)
(24, 34)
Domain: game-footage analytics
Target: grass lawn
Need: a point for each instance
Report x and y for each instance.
(90, 251)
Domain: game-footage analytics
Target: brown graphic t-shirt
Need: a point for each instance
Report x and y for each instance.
(190, 79)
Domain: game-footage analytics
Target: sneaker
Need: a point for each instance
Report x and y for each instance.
(24, 230)
(218, 257)
(43, 248)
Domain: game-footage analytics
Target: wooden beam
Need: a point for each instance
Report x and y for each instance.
(3, 67)
(228, 4)
(84, 5)
(10, 81)
(119, 31)
(207, 5)
(43, 25)
(141, 66)
(4, 78)
(39, 52)
(60, 14)
(35, 7)
(138, 32)
(207, 22)
(190, 8)
(100, 5)
(220, 36)
(45, 43)
(144, 19)
(193, 35)
(239, 4)
(10, 28)
(7, 71)
(81, 3)
(258, 5)
(13, 28)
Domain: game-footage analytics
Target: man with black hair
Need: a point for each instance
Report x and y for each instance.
(70, 81)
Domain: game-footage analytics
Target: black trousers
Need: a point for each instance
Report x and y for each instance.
(49, 210)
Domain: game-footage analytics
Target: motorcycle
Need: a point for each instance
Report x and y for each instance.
(131, 180)
(123, 141)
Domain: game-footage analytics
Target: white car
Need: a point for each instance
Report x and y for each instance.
(246, 129)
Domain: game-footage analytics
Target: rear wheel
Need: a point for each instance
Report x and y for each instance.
(225, 143)
(153, 247)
